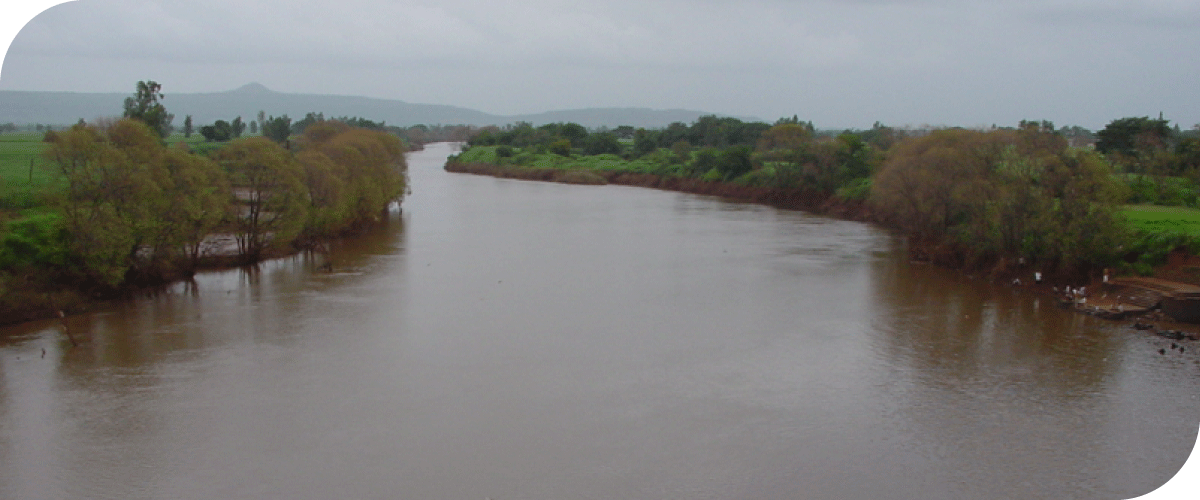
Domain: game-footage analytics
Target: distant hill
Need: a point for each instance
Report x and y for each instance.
(62, 108)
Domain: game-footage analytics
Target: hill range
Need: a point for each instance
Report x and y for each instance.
(63, 108)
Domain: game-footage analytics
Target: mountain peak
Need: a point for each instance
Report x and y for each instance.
(252, 87)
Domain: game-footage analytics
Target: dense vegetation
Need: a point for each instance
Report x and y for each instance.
(1058, 199)
(114, 206)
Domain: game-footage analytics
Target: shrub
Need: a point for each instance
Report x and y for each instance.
(36, 241)
(857, 189)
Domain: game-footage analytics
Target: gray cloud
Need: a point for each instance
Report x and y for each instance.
(840, 63)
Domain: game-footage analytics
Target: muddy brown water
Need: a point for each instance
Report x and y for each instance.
(519, 340)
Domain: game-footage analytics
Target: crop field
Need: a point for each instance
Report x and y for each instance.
(1167, 219)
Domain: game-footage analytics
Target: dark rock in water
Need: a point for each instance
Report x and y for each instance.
(1143, 326)
(1162, 351)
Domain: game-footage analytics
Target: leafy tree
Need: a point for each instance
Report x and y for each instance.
(787, 137)
(734, 161)
(881, 137)
(856, 158)
(271, 198)
(277, 128)
(602, 143)
(113, 200)
(704, 161)
(561, 147)
(220, 131)
(253, 127)
(643, 142)
(237, 127)
(682, 151)
(375, 170)
(144, 107)
(309, 119)
(198, 198)
(1133, 136)
(573, 132)
(1003, 193)
(330, 206)
(187, 126)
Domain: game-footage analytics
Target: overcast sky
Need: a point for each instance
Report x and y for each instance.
(840, 64)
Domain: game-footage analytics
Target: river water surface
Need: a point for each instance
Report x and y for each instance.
(519, 340)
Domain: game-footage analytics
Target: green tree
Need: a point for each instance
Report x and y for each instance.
(734, 161)
(187, 126)
(298, 126)
(575, 133)
(199, 198)
(330, 207)
(1004, 193)
(682, 152)
(1133, 136)
(643, 142)
(220, 131)
(253, 127)
(270, 207)
(703, 161)
(113, 198)
(371, 164)
(237, 127)
(786, 137)
(602, 143)
(561, 147)
(277, 128)
(144, 107)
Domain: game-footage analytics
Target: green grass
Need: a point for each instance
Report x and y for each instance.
(24, 174)
(1154, 218)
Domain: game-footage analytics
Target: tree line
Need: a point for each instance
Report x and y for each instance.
(132, 210)
(1032, 193)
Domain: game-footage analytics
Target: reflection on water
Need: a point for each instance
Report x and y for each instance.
(510, 339)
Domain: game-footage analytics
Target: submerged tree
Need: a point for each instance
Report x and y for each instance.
(270, 195)
(134, 209)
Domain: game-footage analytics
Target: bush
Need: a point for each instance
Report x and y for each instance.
(857, 189)
(37, 241)
(561, 147)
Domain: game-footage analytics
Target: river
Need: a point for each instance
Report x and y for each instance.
(508, 339)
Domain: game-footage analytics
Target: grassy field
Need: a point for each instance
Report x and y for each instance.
(24, 174)
(1158, 218)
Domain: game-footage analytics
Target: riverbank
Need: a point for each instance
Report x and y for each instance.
(31, 298)
(999, 270)
(792, 199)
(34, 296)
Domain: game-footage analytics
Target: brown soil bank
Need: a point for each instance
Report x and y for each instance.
(796, 199)
(529, 173)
